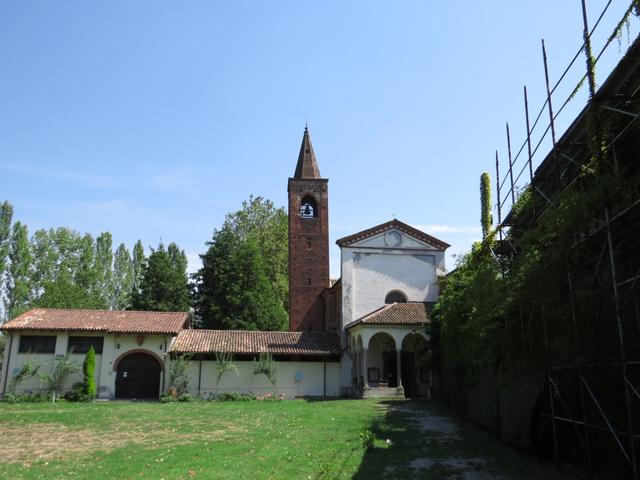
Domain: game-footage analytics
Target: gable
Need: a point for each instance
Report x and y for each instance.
(393, 234)
(395, 239)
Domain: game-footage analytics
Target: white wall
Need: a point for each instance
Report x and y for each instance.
(113, 347)
(313, 381)
(370, 270)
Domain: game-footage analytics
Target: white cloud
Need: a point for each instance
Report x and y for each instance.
(86, 179)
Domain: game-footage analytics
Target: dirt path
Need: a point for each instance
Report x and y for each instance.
(454, 450)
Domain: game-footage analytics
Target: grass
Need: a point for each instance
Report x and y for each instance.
(289, 439)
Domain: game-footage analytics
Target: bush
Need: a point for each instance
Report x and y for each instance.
(11, 397)
(76, 394)
(234, 397)
(185, 397)
(167, 398)
(88, 370)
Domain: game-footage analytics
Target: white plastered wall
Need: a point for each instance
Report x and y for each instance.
(113, 347)
(295, 379)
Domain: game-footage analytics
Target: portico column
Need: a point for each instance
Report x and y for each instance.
(399, 368)
(365, 380)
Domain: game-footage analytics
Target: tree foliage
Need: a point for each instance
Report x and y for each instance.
(224, 364)
(61, 370)
(486, 219)
(88, 373)
(19, 285)
(164, 285)
(266, 365)
(233, 291)
(179, 373)
(243, 282)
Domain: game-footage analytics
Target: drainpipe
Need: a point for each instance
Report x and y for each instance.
(164, 359)
(324, 380)
(199, 377)
(4, 388)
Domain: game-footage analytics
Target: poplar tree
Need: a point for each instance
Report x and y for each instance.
(6, 215)
(103, 266)
(122, 278)
(138, 265)
(486, 219)
(19, 285)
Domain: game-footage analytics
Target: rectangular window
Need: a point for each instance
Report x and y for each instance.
(82, 344)
(37, 344)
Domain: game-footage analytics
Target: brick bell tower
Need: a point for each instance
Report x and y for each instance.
(308, 242)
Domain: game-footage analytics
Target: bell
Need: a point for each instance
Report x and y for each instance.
(307, 210)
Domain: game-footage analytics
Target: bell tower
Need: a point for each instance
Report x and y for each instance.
(308, 241)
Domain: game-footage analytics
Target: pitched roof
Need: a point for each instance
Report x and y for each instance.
(392, 225)
(110, 321)
(411, 313)
(307, 166)
(252, 342)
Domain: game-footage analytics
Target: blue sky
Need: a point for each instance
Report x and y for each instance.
(152, 119)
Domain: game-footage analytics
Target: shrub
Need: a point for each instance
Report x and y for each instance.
(76, 394)
(166, 398)
(61, 371)
(12, 397)
(179, 373)
(29, 369)
(88, 370)
(185, 397)
(266, 366)
(234, 397)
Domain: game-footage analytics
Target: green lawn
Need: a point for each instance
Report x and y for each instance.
(289, 439)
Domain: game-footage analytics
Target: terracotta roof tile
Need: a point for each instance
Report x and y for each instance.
(392, 224)
(252, 342)
(412, 313)
(112, 321)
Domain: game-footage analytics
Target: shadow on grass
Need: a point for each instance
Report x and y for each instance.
(422, 439)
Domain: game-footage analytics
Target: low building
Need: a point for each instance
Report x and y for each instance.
(364, 334)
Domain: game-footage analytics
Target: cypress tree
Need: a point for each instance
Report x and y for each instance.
(88, 370)
(486, 219)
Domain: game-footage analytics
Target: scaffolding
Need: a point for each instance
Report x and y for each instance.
(589, 412)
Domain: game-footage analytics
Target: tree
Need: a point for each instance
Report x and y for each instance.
(61, 370)
(122, 279)
(224, 364)
(29, 369)
(138, 266)
(88, 372)
(266, 366)
(179, 373)
(232, 288)
(63, 293)
(163, 287)
(486, 219)
(103, 266)
(19, 285)
(260, 220)
(6, 215)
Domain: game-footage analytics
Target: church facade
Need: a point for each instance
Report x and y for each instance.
(364, 334)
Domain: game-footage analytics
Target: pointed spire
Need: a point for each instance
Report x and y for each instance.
(307, 166)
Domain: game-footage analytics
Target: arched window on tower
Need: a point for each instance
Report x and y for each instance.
(395, 296)
(308, 207)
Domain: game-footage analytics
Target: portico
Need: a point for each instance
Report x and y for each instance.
(389, 352)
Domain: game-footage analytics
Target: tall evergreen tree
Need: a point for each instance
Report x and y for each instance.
(104, 265)
(122, 278)
(19, 285)
(486, 219)
(138, 266)
(163, 287)
(232, 288)
(6, 216)
(260, 220)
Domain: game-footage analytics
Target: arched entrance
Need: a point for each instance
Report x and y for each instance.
(382, 367)
(416, 366)
(138, 376)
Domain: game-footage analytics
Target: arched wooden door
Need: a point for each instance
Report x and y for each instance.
(138, 377)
